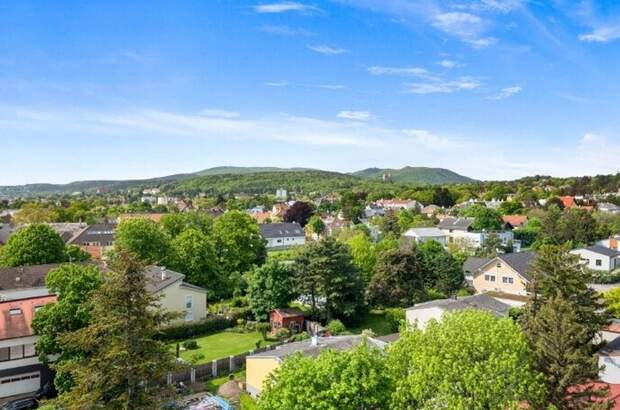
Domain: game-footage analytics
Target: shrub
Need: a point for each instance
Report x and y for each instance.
(283, 333)
(433, 294)
(263, 328)
(190, 344)
(335, 327)
(395, 317)
(196, 357)
(185, 331)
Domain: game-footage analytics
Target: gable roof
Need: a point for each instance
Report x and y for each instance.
(602, 250)
(101, 233)
(473, 263)
(459, 224)
(289, 312)
(16, 316)
(24, 277)
(514, 220)
(480, 301)
(281, 230)
(519, 261)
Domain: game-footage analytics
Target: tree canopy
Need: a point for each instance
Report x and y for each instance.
(144, 238)
(270, 287)
(34, 244)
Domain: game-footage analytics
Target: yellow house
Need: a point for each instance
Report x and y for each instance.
(506, 274)
(259, 366)
(177, 296)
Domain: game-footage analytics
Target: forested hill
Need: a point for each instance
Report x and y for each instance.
(416, 175)
(244, 179)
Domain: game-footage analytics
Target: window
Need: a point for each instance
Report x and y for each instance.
(17, 352)
(188, 302)
(15, 311)
(29, 350)
(599, 262)
(506, 279)
(4, 354)
(189, 312)
(489, 278)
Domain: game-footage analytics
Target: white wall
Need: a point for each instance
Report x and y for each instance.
(611, 372)
(288, 241)
(423, 315)
(590, 259)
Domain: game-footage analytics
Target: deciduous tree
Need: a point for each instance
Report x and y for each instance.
(33, 245)
(299, 212)
(270, 287)
(145, 239)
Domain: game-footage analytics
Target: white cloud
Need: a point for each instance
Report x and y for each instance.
(327, 50)
(604, 34)
(445, 87)
(282, 7)
(404, 71)
(465, 26)
(427, 139)
(448, 64)
(277, 83)
(333, 87)
(286, 31)
(354, 115)
(214, 112)
(507, 92)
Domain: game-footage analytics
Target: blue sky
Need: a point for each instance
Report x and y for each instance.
(493, 89)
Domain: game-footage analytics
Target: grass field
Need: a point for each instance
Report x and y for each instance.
(223, 344)
(374, 320)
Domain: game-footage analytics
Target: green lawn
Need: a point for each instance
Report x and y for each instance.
(374, 320)
(223, 344)
(213, 384)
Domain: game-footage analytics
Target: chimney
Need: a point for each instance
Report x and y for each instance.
(613, 243)
(163, 273)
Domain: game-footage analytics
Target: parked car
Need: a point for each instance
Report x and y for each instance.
(25, 403)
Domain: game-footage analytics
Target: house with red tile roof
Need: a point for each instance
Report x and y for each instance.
(516, 221)
(21, 372)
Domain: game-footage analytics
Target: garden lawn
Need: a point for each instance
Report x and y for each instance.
(374, 320)
(222, 344)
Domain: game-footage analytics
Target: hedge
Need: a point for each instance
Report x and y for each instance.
(209, 325)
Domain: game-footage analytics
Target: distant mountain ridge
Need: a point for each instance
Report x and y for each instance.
(415, 175)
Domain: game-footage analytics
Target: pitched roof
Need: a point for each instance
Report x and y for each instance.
(480, 301)
(23, 277)
(305, 347)
(424, 232)
(459, 224)
(158, 278)
(568, 201)
(473, 263)
(519, 261)
(288, 312)
(601, 250)
(281, 230)
(102, 233)
(16, 316)
(514, 220)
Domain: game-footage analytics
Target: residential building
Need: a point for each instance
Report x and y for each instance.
(471, 265)
(431, 210)
(260, 365)
(24, 282)
(96, 239)
(279, 209)
(397, 204)
(611, 243)
(149, 200)
(21, 372)
(459, 230)
(286, 318)
(175, 295)
(505, 274)
(279, 235)
(281, 194)
(421, 235)
(372, 210)
(598, 257)
(420, 314)
(515, 221)
(608, 207)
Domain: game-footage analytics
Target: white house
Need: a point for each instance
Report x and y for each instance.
(608, 207)
(460, 230)
(396, 204)
(420, 235)
(420, 314)
(598, 257)
(21, 372)
(279, 235)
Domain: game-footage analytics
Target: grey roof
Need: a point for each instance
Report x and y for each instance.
(281, 230)
(480, 301)
(608, 206)
(305, 347)
(459, 224)
(102, 233)
(473, 263)
(519, 261)
(158, 278)
(602, 250)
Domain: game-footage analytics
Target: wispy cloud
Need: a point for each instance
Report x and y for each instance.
(277, 83)
(465, 26)
(403, 71)
(215, 112)
(354, 115)
(603, 34)
(283, 7)
(286, 31)
(448, 64)
(506, 92)
(444, 87)
(327, 50)
(333, 87)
